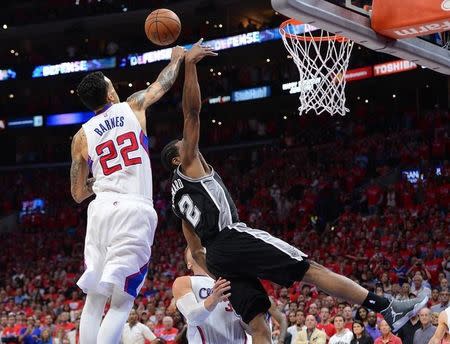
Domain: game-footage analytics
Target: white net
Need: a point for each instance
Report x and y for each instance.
(322, 60)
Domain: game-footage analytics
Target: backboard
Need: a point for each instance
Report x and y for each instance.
(348, 18)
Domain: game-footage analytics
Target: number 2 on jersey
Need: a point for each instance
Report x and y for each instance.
(188, 208)
(112, 153)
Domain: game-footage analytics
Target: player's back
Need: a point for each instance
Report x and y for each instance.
(118, 152)
(222, 325)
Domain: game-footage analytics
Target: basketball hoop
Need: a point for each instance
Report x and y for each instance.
(322, 61)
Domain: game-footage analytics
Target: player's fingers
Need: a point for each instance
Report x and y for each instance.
(221, 284)
(200, 41)
(226, 296)
(211, 53)
(224, 289)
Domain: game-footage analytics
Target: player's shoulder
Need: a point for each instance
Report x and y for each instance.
(181, 286)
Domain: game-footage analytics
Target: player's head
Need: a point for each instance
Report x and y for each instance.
(96, 90)
(170, 155)
(191, 264)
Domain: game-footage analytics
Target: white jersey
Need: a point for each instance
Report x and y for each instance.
(222, 325)
(118, 152)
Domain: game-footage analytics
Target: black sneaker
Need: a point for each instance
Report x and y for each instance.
(399, 312)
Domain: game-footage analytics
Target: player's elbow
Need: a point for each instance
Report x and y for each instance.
(77, 197)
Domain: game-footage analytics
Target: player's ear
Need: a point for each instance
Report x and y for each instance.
(176, 161)
(110, 97)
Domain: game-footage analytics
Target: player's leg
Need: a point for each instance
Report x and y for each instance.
(112, 326)
(91, 318)
(260, 330)
(396, 313)
(270, 258)
(250, 301)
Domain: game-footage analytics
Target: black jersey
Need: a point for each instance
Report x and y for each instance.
(205, 203)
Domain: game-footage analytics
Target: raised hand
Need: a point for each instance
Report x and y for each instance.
(219, 293)
(178, 53)
(198, 52)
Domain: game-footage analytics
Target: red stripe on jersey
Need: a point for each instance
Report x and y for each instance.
(202, 335)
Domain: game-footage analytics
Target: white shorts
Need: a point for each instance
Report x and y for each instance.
(118, 243)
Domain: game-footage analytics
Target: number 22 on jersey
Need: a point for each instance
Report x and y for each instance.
(107, 151)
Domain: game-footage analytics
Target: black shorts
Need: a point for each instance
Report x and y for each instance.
(244, 255)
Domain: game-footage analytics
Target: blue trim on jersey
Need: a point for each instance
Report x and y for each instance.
(90, 162)
(144, 142)
(133, 281)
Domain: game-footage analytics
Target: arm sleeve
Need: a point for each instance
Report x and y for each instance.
(148, 334)
(193, 311)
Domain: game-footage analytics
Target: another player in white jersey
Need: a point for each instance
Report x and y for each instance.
(113, 146)
(203, 302)
(443, 329)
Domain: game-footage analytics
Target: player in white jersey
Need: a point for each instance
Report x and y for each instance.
(443, 328)
(113, 146)
(203, 302)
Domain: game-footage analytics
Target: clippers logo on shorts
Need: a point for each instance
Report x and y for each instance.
(446, 5)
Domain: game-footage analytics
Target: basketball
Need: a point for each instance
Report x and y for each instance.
(162, 27)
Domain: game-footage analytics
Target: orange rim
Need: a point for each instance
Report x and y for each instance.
(293, 22)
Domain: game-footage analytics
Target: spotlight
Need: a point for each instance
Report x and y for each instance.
(284, 117)
(130, 85)
(394, 96)
(220, 25)
(11, 96)
(219, 73)
(366, 101)
(211, 70)
(207, 22)
(5, 26)
(267, 60)
(214, 121)
(72, 91)
(147, 83)
(12, 51)
(220, 123)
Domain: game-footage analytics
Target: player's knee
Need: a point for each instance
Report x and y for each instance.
(315, 271)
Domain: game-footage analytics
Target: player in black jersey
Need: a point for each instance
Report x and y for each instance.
(236, 252)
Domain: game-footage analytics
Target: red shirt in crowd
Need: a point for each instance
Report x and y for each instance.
(373, 194)
(391, 340)
(169, 335)
(329, 329)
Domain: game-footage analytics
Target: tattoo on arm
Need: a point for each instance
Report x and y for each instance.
(168, 75)
(163, 83)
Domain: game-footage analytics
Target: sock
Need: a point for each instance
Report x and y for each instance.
(375, 302)
(114, 321)
(91, 317)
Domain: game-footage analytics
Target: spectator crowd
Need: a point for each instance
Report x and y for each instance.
(340, 196)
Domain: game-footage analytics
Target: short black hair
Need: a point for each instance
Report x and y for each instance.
(93, 90)
(169, 152)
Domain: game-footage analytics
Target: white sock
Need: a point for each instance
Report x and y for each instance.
(91, 317)
(114, 321)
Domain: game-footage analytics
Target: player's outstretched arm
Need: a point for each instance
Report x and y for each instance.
(192, 104)
(141, 100)
(80, 184)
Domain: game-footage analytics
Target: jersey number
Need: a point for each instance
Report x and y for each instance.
(188, 208)
(110, 147)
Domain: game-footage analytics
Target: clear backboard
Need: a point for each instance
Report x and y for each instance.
(351, 18)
